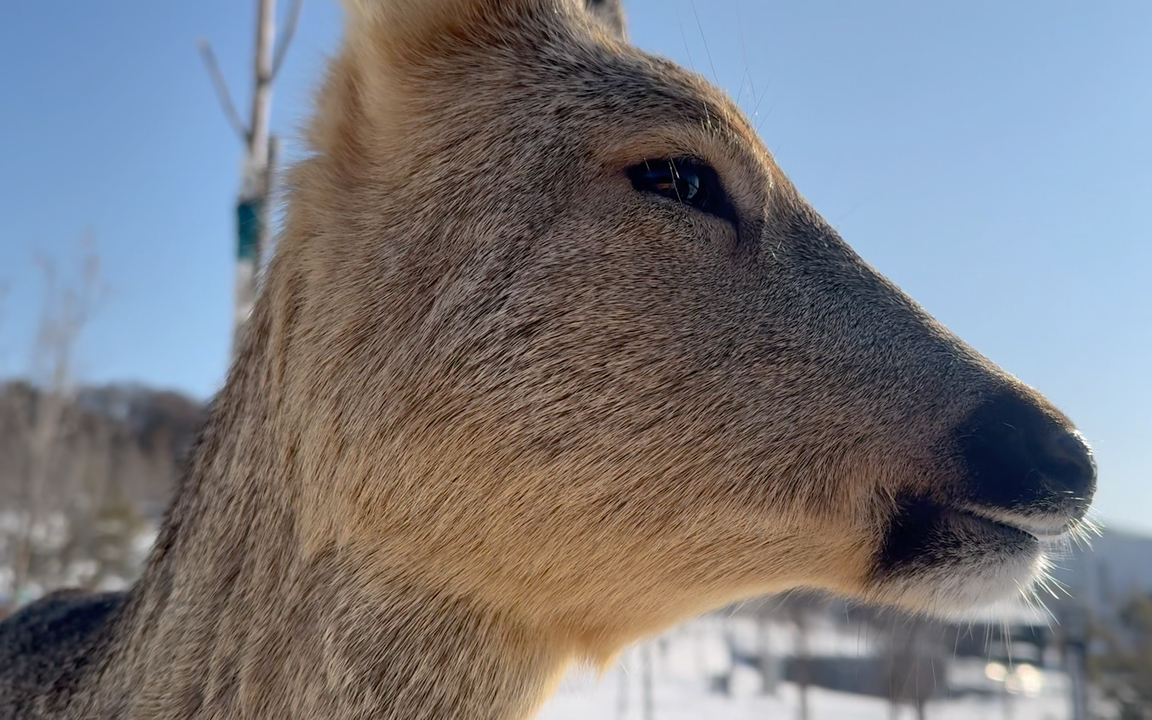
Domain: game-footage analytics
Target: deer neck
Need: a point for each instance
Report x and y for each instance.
(233, 617)
(220, 628)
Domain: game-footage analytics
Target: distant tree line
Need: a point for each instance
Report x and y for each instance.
(83, 479)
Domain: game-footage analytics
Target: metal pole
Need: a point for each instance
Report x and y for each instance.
(622, 689)
(1078, 677)
(803, 664)
(1074, 625)
(646, 658)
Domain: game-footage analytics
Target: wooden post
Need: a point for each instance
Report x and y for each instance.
(254, 202)
(253, 210)
(262, 93)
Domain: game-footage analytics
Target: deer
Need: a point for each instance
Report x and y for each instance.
(551, 356)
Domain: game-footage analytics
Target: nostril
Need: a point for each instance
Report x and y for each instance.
(1020, 457)
(1067, 462)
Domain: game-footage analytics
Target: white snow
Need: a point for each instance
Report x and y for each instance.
(683, 661)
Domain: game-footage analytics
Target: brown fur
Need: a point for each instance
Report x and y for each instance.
(498, 410)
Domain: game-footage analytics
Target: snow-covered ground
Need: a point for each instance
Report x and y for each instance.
(684, 660)
(585, 698)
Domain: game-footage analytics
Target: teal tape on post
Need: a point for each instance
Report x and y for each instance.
(248, 214)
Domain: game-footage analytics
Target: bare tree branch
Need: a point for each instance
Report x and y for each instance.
(45, 419)
(286, 36)
(4, 289)
(222, 93)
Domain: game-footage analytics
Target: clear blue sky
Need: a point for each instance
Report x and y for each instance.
(993, 158)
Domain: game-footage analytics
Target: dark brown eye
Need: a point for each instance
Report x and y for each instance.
(685, 180)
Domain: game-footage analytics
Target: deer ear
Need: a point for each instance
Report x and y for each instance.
(422, 24)
(399, 25)
(425, 25)
(407, 15)
(611, 14)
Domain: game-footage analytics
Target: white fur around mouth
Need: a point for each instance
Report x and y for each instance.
(1041, 527)
(974, 557)
(997, 525)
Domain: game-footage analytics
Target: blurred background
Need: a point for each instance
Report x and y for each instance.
(993, 159)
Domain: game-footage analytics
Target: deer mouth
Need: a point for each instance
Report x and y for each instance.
(946, 559)
(1045, 527)
(925, 535)
(1000, 528)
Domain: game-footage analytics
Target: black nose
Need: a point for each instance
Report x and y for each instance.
(1022, 458)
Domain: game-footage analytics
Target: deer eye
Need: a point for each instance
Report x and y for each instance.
(684, 180)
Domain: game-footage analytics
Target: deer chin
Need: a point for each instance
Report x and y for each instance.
(945, 560)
